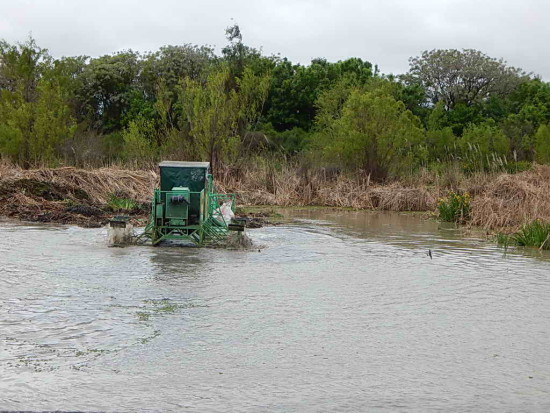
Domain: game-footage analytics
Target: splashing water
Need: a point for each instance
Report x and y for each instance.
(238, 240)
(118, 236)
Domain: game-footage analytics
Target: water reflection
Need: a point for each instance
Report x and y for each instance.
(177, 263)
(408, 230)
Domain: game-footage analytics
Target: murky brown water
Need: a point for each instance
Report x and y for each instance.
(342, 311)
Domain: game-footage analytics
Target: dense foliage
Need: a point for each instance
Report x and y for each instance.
(186, 102)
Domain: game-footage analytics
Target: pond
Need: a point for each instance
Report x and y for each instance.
(334, 311)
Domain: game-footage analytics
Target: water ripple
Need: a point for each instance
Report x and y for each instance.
(338, 312)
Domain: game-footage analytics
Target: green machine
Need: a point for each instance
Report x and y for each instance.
(186, 207)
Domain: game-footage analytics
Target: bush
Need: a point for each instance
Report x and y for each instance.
(454, 208)
(519, 166)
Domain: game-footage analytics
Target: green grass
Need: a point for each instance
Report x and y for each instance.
(454, 208)
(118, 204)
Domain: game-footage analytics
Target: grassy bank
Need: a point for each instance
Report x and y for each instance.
(85, 196)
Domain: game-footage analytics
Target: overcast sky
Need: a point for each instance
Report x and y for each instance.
(385, 32)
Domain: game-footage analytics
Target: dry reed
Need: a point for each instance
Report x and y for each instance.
(498, 201)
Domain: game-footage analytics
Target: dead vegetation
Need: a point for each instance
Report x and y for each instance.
(285, 187)
(80, 196)
(510, 201)
(498, 200)
(70, 195)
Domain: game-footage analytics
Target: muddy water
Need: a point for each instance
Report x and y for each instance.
(340, 311)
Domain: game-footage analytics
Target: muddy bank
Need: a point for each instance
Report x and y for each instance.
(73, 196)
(81, 196)
(33, 200)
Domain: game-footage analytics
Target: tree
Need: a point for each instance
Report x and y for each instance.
(295, 89)
(374, 133)
(35, 117)
(107, 86)
(531, 102)
(160, 75)
(441, 144)
(140, 140)
(519, 133)
(542, 144)
(21, 66)
(53, 122)
(468, 76)
(211, 114)
(217, 118)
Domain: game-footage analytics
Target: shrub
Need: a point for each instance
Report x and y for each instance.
(454, 208)
(519, 166)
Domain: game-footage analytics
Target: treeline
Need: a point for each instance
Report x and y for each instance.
(185, 102)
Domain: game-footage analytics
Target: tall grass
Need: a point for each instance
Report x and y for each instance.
(498, 200)
(534, 234)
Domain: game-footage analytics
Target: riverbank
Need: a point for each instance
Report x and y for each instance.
(84, 196)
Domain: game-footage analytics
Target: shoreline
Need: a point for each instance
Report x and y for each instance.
(84, 197)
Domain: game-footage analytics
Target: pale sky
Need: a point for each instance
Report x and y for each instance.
(384, 32)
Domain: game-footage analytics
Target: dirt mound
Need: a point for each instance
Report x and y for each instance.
(50, 191)
(70, 195)
(86, 210)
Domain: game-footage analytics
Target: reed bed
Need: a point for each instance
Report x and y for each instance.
(98, 184)
(498, 201)
(511, 201)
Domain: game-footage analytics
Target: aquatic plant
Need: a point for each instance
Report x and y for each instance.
(503, 239)
(455, 207)
(534, 234)
(143, 316)
(118, 204)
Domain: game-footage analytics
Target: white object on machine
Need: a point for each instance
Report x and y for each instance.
(224, 214)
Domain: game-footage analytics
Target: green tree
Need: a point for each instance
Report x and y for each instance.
(140, 141)
(217, 118)
(520, 134)
(211, 113)
(374, 133)
(295, 89)
(11, 139)
(21, 68)
(53, 123)
(441, 144)
(35, 117)
(107, 85)
(542, 144)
